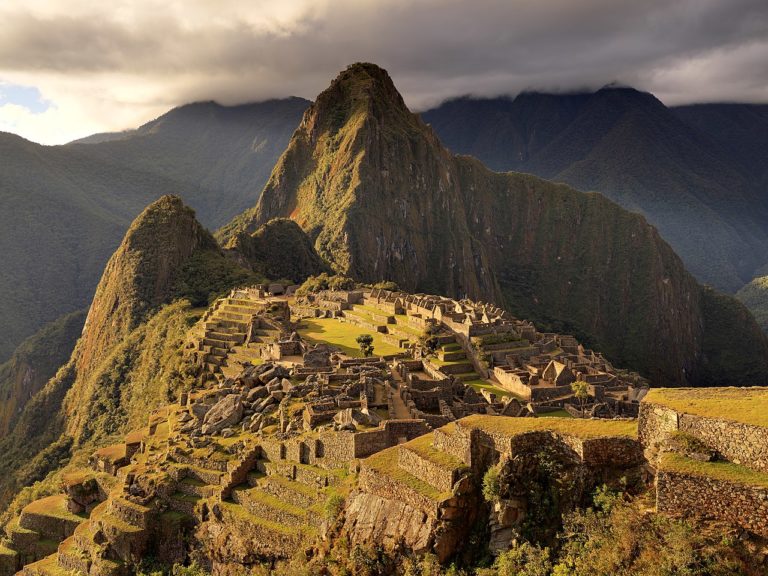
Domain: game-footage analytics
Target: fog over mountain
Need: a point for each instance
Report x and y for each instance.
(88, 68)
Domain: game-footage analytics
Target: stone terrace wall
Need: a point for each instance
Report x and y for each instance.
(381, 485)
(739, 443)
(614, 451)
(684, 495)
(457, 443)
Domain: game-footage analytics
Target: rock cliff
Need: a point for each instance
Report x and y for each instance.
(382, 199)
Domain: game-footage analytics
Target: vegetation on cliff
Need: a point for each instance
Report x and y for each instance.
(755, 297)
(129, 358)
(279, 250)
(696, 173)
(35, 362)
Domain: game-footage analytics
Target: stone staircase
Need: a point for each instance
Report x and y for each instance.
(226, 329)
(451, 360)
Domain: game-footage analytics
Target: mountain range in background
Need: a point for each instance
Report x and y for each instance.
(697, 173)
(64, 209)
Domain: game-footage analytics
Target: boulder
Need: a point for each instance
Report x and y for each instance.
(184, 417)
(224, 414)
(257, 393)
(355, 417)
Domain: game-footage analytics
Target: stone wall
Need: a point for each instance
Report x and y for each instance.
(441, 477)
(372, 482)
(334, 450)
(455, 442)
(687, 494)
(738, 443)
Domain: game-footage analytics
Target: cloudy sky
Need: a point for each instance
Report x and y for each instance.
(69, 68)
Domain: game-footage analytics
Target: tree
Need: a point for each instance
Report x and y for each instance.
(581, 391)
(365, 341)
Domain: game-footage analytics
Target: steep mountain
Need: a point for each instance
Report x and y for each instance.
(35, 362)
(130, 357)
(630, 147)
(755, 297)
(740, 128)
(64, 209)
(123, 346)
(383, 199)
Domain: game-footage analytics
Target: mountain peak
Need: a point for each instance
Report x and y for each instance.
(361, 90)
(141, 273)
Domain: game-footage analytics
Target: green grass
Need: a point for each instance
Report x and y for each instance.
(746, 405)
(385, 462)
(439, 363)
(574, 426)
(724, 471)
(239, 512)
(271, 501)
(343, 335)
(480, 384)
(53, 506)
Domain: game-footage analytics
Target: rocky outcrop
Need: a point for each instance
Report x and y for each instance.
(279, 250)
(382, 199)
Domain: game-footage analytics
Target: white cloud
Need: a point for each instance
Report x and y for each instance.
(114, 65)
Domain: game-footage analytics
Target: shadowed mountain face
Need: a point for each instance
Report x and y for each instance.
(64, 209)
(383, 199)
(680, 168)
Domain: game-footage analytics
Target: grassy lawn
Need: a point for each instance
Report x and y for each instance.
(747, 405)
(342, 335)
(725, 471)
(555, 414)
(480, 384)
(573, 426)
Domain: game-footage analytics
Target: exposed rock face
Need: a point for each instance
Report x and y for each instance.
(382, 199)
(225, 413)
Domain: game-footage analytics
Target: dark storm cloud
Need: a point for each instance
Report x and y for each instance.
(688, 50)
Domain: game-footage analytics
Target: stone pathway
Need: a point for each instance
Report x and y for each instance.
(401, 410)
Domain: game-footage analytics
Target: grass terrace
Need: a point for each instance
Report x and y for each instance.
(479, 384)
(745, 405)
(385, 462)
(343, 335)
(423, 447)
(556, 414)
(581, 428)
(724, 471)
(53, 506)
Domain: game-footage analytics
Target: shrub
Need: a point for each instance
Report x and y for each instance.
(333, 507)
(492, 484)
(523, 559)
